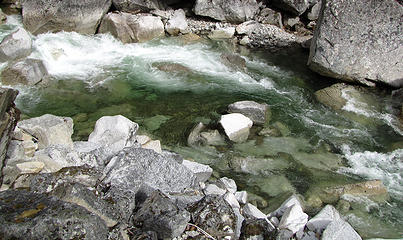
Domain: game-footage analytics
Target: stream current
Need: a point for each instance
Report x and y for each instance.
(94, 76)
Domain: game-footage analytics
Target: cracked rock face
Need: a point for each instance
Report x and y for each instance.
(359, 41)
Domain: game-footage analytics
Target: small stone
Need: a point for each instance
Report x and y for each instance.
(153, 145)
(231, 200)
(222, 33)
(212, 189)
(227, 183)
(245, 41)
(30, 167)
(143, 139)
(242, 197)
(293, 219)
(201, 171)
(251, 211)
(236, 126)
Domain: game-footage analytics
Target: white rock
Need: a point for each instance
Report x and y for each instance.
(251, 211)
(247, 27)
(49, 130)
(56, 157)
(236, 126)
(275, 221)
(242, 197)
(286, 204)
(143, 139)
(239, 221)
(309, 236)
(327, 215)
(114, 132)
(231, 200)
(222, 33)
(201, 171)
(340, 229)
(177, 23)
(15, 46)
(212, 189)
(227, 183)
(244, 41)
(30, 167)
(153, 145)
(294, 219)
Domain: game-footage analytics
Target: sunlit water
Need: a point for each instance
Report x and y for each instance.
(97, 75)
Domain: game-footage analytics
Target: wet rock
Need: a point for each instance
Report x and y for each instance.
(177, 23)
(201, 171)
(258, 113)
(15, 46)
(171, 67)
(27, 215)
(158, 213)
(365, 50)
(40, 16)
(228, 184)
(269, 16)
(49, 130)
(234, 61)
(257, 229)
(321, 220)
(215, 216)
(212, 189)
(213, 138)
(114, 132)
(340, 229)
(235, 11)
(28, 72)
(242, 197)
(222, 33)
(138, 5)
(132, 28)
(236, 126)
(9, 116)
(194, 136)
(296, 7)
(293, 219)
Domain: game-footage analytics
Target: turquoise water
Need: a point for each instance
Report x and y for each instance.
(94, 76)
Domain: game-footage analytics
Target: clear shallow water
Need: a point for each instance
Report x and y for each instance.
(97, 75)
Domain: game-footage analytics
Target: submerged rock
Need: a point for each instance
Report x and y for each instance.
(41, 16)
(235, 11)
(234, 61)
(15, 46)
(364, 49)
(258, 113)
(28, 72)
(171, 67)
(236, 126)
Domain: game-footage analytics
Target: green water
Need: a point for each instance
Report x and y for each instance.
(98, 76)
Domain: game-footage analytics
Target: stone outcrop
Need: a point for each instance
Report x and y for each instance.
(359, 41)
(132, 28)
(15, 46)
(28, 72)
(83, 16)
(9, 116)
(135, 6)
(235, 11)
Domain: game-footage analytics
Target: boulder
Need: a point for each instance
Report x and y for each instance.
(41, 16)
(228, 184)
(293, 219)
(258, 113)
(296, 7)
(292, 200)
(159, 214)
(138, 5)
(234, 61)
(231, 200)
(171, 67)
(269, 16)
(27, 215)
(321, 220)
(235, 11)
(201, 171)
(236, 126)
(177, 23)
(28, 72)
(340, 229)
(114, 132)
(56, 157)
(49, 130)
(132, 28)
(9, 116)
(15, 46)
(359, 41)
(30, 167)
(222, 33)
(242, 197)
(11, 6)
(252, 212)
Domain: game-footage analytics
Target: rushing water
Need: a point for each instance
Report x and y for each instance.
(97, 75)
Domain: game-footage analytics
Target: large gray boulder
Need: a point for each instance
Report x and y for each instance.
(235, 11)
(359, 41)
(40, 217)
(28, 72)
(258, 113)
(177, 23)
(15, 46)
(132, 28)
(296, 7)
(340, 229)
(139, 5)
(83, 16)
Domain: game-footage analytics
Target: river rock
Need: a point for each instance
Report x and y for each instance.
(258, 113)
(252, 212)
(242, 197)
(177, 23)
(228, 184)
(132, 28)
(236, 126)
(15, 46)
(11, 6)
(56, 157)
(222, 33)
(49, 130)
(235, 11)
(158, 213)
(234, 61)
(194, 136)
(231, 200)
(201, 171)
(41, 16)
(41, 217)
(28, 72)
(340, 229)
(212, 137)
(212, 189)
(171, 67)
(363, 49)
(138, 5)
(296, 7)
(30, 167)
(293, 219)
(9, 116)
(114, 132)
(321, 220)
(269, 16)
(257, 229)
(292, 200)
